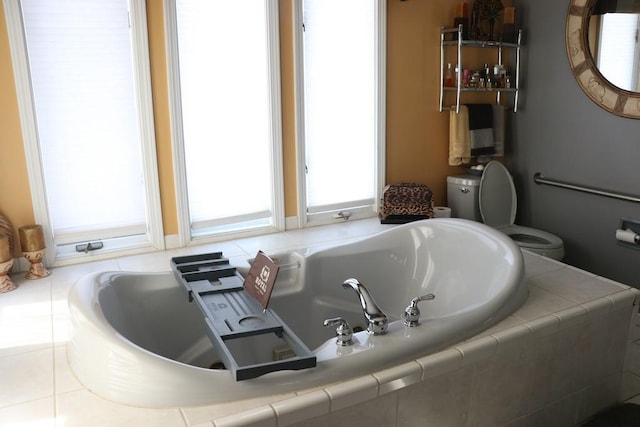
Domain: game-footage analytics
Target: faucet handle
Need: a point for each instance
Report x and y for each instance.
(343, 331)
(411, 315)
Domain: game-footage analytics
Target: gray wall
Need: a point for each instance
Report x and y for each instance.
(562, 134)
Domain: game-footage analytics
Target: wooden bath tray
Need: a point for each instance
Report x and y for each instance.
(241, 332)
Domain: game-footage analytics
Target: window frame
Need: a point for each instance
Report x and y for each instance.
(186, 232)
(153, 239)
(306, 218)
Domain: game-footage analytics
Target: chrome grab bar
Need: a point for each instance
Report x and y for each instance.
(538, 178)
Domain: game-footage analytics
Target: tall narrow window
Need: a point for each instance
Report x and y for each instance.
(227, 60)
(342, 114)
(93, 136)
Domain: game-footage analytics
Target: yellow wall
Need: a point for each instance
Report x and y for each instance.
(417, 134)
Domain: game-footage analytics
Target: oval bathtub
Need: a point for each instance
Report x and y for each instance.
(136, 339)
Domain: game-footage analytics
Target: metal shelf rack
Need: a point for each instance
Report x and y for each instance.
(460, 45)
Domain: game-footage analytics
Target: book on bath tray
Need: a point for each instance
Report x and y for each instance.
(261, 279)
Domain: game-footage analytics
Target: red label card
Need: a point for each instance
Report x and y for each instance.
(261, 278)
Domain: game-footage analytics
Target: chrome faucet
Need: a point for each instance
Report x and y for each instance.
(411, 315)
(378, 321)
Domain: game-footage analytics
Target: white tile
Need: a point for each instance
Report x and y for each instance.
(598, 397)
(258, 417)
(65, 379)
(505, 324)
(477, 350)
(574, 285)
(541, 303)
(624, 298)
(267, 243)
(634, 325)
(398, 377)
(200, 414)
(377, 412)
(228, 249)
(632, 357)
(352, 392)
(561, 413)
(26, 376)
(572, 316)
(440, 363)
(598, 308)
(537, 264)
(35, 413)
(301, 408)
(150, 262)
(507, 336)
(83, 408)
(25, 327)
(501, 389)
(543, 325)
(365, 227)
(321, 234)
(442, 400)
(613, 283)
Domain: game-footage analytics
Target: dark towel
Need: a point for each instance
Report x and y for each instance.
(481, 129)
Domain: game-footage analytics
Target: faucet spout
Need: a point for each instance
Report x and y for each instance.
(378, 321)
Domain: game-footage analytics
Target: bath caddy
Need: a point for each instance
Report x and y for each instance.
(239, 329)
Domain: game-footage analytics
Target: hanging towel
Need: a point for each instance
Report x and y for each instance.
(459, 137)
(481, 129)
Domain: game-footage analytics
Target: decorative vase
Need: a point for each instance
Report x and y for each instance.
(37, 270)
(7, 228)
(6, 284)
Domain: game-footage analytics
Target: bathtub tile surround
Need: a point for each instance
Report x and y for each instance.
(571, 350)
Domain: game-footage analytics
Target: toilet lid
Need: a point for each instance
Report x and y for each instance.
(497, 196)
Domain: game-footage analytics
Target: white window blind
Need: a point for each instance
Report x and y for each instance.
(80, 58)
(227, 112)
(339, 103)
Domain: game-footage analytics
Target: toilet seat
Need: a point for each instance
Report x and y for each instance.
(532, 238)
(498, 203)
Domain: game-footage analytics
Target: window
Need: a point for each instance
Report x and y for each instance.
(224, 68)
(341, 102)
(618, 54)
(83, 81)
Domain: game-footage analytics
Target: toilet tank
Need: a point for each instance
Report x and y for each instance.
(462, 196)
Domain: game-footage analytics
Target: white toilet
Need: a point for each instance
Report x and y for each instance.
(492, 199)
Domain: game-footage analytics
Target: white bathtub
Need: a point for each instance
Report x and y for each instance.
(136, 339)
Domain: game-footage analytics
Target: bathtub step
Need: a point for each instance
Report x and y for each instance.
(242, 333)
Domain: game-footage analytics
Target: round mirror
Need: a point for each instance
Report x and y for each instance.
(603, 53)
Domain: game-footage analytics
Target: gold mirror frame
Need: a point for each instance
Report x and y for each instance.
(618, 101)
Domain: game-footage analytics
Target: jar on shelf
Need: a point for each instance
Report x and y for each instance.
(448, 77)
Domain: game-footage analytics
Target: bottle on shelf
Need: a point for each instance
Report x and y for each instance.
(449, 79)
